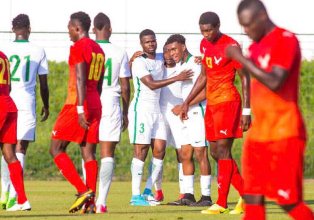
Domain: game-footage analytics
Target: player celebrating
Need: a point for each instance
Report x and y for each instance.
(79, 119)
(113, 120)
(27, 61)
(274, 149)
(223, 119)
(8, 122)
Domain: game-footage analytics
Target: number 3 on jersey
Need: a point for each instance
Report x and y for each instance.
(96, 66)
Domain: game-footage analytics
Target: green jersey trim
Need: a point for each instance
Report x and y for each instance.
(103, 41)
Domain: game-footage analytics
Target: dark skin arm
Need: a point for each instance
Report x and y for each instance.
(245, 80)
(272, 80)
(125, 94)
(44, 93)
(80, 69)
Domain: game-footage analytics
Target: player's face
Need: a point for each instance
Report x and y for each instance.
(149, 44)
(167, 57)
(253, 24)
(176, 51)
(73, 31)
(209, 32)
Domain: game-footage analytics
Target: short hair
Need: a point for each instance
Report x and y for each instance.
(175, 38)
(209, 17)
(101, 20)
(83, 18)
(146, 32)
(255, 5)
(21, 21)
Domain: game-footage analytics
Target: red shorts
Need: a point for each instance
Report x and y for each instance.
(274, 169)
(223, 121)
(67, 127)
(8, 126)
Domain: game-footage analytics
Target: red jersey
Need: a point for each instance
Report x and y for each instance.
(220, 71)
(6, 103)
(88, 51)
(276, 114)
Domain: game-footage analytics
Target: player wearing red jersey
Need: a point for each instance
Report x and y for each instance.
(79, 119)
(274, 148)
(8, 122)
(223, 121)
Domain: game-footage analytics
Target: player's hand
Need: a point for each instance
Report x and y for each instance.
(184, 75)
(198, 60)
(233, 52)
(82, 121)
(44, 114)
(245, 122)
(125, 122)
(135, 55)
(184, 111)
(176, 110)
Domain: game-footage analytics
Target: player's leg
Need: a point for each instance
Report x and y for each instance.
(5, 183)
(254, 207)
(180, 172)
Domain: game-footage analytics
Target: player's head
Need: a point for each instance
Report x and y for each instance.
(79, 25)
(176, 46)
(209, 24)
(102, 25)
(21, 25)
(148, 41)
(169, 62)
(253, 17)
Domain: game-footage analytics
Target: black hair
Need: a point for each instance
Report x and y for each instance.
(209, 17)
(83, 18)
(175, 38)
(255, 5)
(146, 32)
(101, 20)
(21, 21)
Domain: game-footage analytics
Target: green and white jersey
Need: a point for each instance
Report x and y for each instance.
(26, 62)
(144, 98)
(116, 66)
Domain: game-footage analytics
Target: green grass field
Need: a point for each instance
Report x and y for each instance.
(51, 200)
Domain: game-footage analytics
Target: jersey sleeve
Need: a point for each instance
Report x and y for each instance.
(124, 68)
(139, 68)
(43, 64)
(235, 63)
(78, 54)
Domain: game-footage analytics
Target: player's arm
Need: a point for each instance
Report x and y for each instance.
(125, 95)
(100, 82)
(246, 112)
(199, 85)
(44, 93)
(81, 69)
(272, 80)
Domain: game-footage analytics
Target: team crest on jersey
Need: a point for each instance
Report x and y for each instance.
(264, 61)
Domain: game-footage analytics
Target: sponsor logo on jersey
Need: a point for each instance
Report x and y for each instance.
(217, 60)
(264, 61)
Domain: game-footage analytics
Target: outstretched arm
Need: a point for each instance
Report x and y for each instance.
(44, 93)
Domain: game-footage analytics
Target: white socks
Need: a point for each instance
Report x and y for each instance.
(105, 178)
(188, 181)
(181, 183)
(83, 171)
(205, 182)
(137, 173)
(156, 169)
(5, 177)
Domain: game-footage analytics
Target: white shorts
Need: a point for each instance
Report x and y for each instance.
(26, 125)
(110, 126)
(176, 130)
(144, 126)
(196, 126)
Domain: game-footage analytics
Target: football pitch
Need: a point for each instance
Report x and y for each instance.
(51, 200)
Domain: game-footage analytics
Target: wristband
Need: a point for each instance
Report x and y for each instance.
(80, 109)
(246, 111)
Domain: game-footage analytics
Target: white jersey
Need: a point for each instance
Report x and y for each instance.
(144, 98)
(26, 61)
(116, 66)
(170, 95)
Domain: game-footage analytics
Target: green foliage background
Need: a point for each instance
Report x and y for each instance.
(40, 164)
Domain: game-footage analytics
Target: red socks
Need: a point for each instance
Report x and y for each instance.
(254, 212)
(68, 170)
(223, 179)
(301, 211)
(91, 174)
(236, 179)
(16, 175)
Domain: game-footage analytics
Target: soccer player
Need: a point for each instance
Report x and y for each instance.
(8, 130)
(223, 120)
(27, 61)
(146, 124)
(113, 120)
(79, 118)
(273, 152)
(194, 130)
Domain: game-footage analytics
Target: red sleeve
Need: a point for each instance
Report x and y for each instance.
(78, 54)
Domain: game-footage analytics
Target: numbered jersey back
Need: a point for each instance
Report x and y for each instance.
(4, 75)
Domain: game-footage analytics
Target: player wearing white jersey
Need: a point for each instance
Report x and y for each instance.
(114, 119)
(27, 61)
(146, 124)
(195, 128)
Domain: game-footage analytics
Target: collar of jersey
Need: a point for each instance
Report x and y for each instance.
(103, 41)
(189, 56)
(21, 41)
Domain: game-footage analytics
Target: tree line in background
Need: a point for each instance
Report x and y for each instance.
(40, 164)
